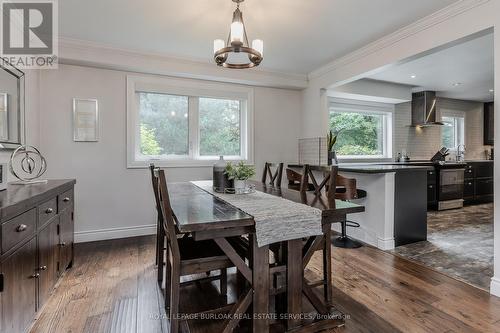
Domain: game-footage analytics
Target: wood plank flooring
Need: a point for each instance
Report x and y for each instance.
(112, 288)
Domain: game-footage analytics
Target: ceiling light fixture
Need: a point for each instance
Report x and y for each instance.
(413, 76)
(456, 84)
(237, 42)
(491, 90)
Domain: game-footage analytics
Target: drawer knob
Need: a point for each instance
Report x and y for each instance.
(43, 268)
(66, 199)
(35, 276)
(49, 211)
(63, 244)
(21, 227)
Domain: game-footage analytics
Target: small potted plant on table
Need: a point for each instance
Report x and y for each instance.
(240, 173)
(331, 139)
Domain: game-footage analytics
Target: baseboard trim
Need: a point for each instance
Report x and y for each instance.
(113, 233)
(495, 286)
(386, 243)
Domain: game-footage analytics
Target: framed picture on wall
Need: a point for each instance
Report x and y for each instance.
(85, 120)
(4, 116)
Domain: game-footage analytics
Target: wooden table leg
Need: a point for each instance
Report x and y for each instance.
(260, 285)
(295, 274)
(327, 264)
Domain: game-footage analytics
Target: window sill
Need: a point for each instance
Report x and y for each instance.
(181, 163)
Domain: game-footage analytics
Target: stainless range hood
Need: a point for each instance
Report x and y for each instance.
(423, 109)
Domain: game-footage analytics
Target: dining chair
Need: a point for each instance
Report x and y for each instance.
(159, 229)
(274, 178)
(330, 176)
(294, 180)
(185, 256)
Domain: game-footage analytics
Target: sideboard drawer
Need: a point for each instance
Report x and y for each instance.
(18, 229)
(65, 200)
(46, 211)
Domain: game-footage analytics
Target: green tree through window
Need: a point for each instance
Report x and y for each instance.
(359, 133)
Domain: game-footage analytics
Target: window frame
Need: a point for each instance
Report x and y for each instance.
(455, 115)
(370, 108)
(193, 89)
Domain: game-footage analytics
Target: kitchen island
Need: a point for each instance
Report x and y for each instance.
(395, 205)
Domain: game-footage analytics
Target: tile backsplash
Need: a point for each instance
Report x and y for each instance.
(422, 143)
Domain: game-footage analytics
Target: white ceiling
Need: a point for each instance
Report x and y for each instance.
(469, 63)
(299, 36)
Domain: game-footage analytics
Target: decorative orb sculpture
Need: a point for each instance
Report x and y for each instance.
(27, 163)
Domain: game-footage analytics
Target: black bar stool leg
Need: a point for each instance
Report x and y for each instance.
(344, 241)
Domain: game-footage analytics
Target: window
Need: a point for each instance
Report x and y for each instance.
(452, 133)
(187, 123)
(364, 129)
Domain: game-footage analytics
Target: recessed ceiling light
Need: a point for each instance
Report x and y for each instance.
(456, 84)
(491, 90)
(413, 76)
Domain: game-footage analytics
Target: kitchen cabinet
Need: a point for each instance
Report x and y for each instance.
(478, 182)
(431, 188)
(489, 120)
(34, 222)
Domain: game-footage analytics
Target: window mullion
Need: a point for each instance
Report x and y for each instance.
(194, 130)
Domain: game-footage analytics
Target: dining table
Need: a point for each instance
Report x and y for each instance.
(206, 216)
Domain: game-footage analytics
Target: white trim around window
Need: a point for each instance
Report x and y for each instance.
(193, 89)
(371, 108)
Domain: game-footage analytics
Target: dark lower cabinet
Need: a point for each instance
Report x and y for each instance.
(48, 259)
(36, 246)
(66, 238)
(478, 182)
(469, 186)
(19, 282)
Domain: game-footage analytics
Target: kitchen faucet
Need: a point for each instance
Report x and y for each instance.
(460, 152)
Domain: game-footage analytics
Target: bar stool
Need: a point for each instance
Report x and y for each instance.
(346, 191)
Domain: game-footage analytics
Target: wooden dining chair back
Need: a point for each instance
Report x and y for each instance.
(274, 177)
(159, 223)
(329, 181)
(346, 189)
(185, 256)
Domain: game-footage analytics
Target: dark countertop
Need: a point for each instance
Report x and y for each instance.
(374, 167)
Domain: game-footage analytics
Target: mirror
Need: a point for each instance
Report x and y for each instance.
(11, 107)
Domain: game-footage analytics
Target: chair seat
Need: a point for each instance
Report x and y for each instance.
(202, 256)
(191, 249)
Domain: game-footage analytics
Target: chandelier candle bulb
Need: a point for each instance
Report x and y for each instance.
(236, 32)
(258, 45)
(218, 45)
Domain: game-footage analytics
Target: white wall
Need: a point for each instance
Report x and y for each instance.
(112, 201)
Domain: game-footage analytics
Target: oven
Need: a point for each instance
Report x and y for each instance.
(451, 187)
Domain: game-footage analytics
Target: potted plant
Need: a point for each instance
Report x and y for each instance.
(331, 139)
(240, 173)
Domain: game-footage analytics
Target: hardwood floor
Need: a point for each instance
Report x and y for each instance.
(112, 288)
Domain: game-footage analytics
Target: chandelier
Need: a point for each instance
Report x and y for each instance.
(237, 43)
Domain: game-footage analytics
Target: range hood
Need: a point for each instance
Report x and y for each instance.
(423, 109)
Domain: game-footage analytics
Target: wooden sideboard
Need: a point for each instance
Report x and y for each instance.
(36, 244)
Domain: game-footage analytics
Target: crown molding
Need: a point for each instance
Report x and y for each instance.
(431, 20)
(87, 53)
